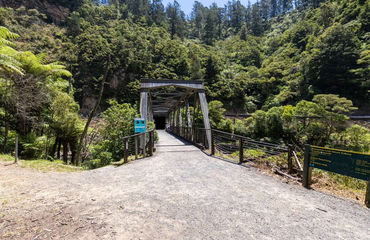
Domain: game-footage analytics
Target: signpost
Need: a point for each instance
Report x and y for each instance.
(140, 125)
(348, 163)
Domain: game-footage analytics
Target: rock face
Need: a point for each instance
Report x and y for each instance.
(56, 11)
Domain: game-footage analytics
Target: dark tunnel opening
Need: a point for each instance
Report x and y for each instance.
(160, 123)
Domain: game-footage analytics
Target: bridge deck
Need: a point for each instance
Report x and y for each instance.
(180, 193)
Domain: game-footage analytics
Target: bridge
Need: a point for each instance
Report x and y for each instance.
(178, 193)
(168, 102)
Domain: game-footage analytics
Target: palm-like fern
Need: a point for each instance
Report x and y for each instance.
(8, 63)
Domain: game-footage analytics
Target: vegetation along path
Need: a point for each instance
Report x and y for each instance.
(180, 193)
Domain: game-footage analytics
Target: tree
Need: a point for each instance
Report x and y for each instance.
(8, 63)
(210, 28)
(66, 124)
(257, 24)
(216, 113)
(197, 18)
(176, 19)
(332, 58)
(157, 12)
(119, 123)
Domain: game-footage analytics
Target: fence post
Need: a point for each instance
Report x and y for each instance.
(136, 147)
(212, 144)
(125, 153)
(151, 143)
(241, 151)
(367, 196)
(290, 155)
(144, 145)
(307, 170)
(195, 132)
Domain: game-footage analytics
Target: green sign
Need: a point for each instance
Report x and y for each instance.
(347, 163)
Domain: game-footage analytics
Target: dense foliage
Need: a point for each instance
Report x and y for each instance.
(297, 66)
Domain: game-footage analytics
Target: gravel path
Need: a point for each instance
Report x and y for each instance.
(180, 193)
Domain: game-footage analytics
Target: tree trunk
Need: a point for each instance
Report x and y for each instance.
(59, 145)
(65, 151)
(73, 145)
(54, 149)
(6, 132)
(91, 115)
(47, 148)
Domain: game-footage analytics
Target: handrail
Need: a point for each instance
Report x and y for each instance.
(138, 143)
(138, 134)
(225, 143)
(247, 138)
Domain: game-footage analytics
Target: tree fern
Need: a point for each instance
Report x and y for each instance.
(8, 62)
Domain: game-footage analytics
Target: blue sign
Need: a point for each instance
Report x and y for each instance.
(140, 125)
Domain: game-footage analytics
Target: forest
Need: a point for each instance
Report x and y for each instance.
(277, 60)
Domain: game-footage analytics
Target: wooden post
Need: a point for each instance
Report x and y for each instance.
(367, 196)
(180, 122)
(16, 148)
(136, 147)
(188, 120)
(125, 150)
(213, 147)
(307, 170)
(290, 161)
(241, 151)
(144, 145)
(151, 143)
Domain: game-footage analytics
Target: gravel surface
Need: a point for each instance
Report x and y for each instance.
(180, 193)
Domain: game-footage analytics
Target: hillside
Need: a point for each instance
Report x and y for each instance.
(298, 67)
(292, 56)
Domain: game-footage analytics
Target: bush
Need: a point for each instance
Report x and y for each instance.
(119, 123)
(100, 158)
(32, 146)
(355, 138)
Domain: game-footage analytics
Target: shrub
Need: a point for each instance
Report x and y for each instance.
(32, 146)
(119, 123)
(356, 138)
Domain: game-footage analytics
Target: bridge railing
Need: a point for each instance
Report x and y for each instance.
(138, 145)
(233, 146)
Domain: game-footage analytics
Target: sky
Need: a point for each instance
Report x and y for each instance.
(187, 5)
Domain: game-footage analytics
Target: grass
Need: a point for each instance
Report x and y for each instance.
(327, 182)
(339, 185)
(42, 165)
(6, 158)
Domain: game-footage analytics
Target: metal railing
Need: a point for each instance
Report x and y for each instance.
(235, 146)
(138, 145)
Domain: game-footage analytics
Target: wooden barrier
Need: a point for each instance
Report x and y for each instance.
(347, 163)
(139, 143)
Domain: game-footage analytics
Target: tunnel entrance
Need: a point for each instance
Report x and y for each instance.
(160, 123)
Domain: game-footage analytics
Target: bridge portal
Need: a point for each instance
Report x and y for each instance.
(174, 103)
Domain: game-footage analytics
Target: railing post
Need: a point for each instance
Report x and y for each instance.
(125, 150)
(195, 135)
(241, 151)
(290, 162)
(136, 147)
(151, 143)
(213, 144)
(367, 196)
(307, 170)
(144, 145)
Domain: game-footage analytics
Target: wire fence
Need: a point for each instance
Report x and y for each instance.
(241, 148)
(138, 145)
